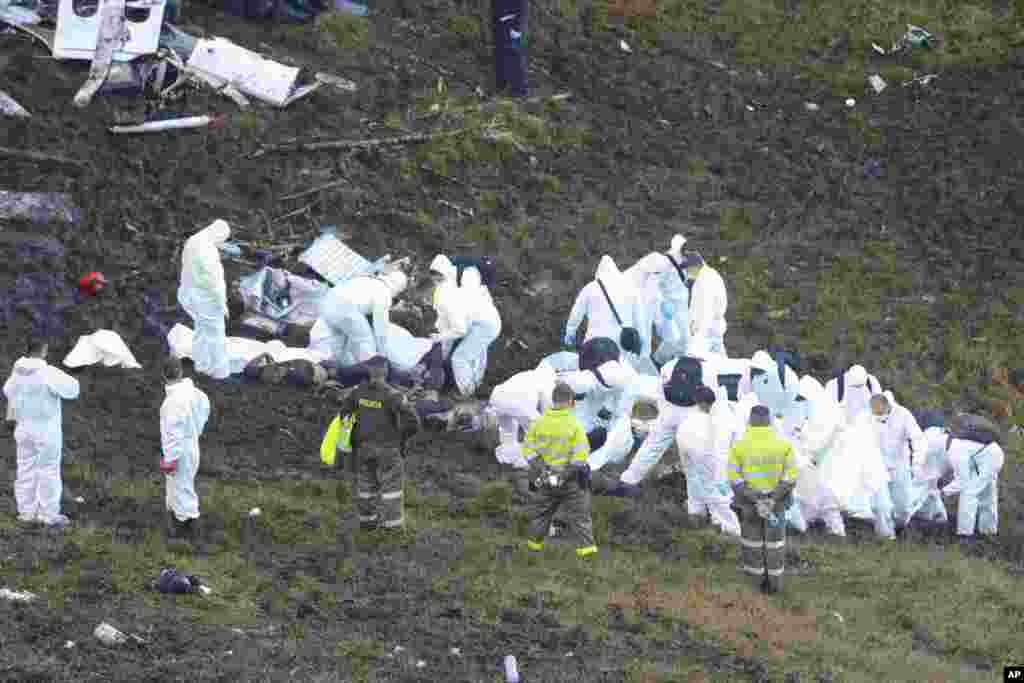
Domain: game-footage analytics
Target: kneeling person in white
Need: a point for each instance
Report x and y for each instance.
(517, 402)
(183, 417)
(34, 393)
(977, 467)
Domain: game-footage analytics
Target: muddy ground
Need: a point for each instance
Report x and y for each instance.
(947, 197)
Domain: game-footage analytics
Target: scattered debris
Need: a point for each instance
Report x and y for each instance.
(750, 108)
(38, 207)
(41, 35)
(103, 346)
(170, 124)
(79, 500)
(10, 106)
(878, 48)
(877, 82)
(415, 138)
(456, 652)
(850, 102)
(108, 635)
(335, 261)
(69, 645)
(923, 80)
(17, 596)
(281, 297)
(111, 19)
(223, 62)
(839, 616)
(624, 46)
(26, 155)
(420, 664)
(811, 106)
(255, 512)
(18, 15)
(455, 207)
(511, 669)
(134, 30)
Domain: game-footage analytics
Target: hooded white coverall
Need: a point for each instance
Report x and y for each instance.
(904, 449)
(817, 446)
(518, 401)
(926, 498)
(467, 320)
(346, 312)
(708, 303)
(704, 440)
(977, 469)
(663, 301)
(183, 417)
(670, 416)
(615, 399)
(858, 389)
(34, 393)
(204, 296)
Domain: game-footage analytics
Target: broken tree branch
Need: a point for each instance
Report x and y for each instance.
(306, 193)
(456, 207)
(357, 144)
(26, 155)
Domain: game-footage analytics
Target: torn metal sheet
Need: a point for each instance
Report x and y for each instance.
(42, 35)
(78, 36)
(10, 106)
(330, 257)
(337, 81)
(247, 71)
(111, 34)
(38, 207)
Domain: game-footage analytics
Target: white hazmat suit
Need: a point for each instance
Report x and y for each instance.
(708, 303)
(606, 405)
(904, 449)
(704, 440)
(858, 389)
(204, 296)
(183, 417)
(518, 401)
(977, 469)
(663, 300)
(817, 446)
(348, 309)
(34, 393)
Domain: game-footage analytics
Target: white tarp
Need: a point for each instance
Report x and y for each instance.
(279, 295)
(335, 260)
(241, 350)
(103, 346)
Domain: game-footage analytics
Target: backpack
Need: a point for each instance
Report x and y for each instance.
(629, 338)
(930, 418)
(841, 386)
(975, 428)
(731, 382)
(784, 357)
(598, 351)
(687, 376)
(485, 264)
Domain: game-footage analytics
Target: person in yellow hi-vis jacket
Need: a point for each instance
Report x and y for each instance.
(556, 449)
(384, 420)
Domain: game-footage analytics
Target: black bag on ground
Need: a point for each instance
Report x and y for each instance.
(629, 338)
(687, 376)
(485, 264)
(975, 428)
(598, 351)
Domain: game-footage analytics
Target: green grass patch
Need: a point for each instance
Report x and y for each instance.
(347, 31)
(736, 223)
(464, 26)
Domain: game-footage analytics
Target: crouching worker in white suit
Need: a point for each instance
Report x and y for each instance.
(183, 417)
(517, 402)
(348, 309)
(704, 444)
(34, 393)
(203, 294)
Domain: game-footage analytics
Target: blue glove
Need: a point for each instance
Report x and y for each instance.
(582, 473)
(570, 339)
(724, 489)
(667, 310)
(773, 520)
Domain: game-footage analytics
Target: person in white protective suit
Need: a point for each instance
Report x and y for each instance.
(977, 466)
(34, 392)
(818, 446)
(518, 401)
(604, 412)
(606, 319)
(708, 303)
(183, 417)
(853, 390)
(660, 282)
(904, 450)
(356, 316)
(926, 498)
(662, 434)
(204, 296)
(704, 439)
(763, 385)
(467, 324)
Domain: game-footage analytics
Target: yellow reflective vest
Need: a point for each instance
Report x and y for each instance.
(557, 437)
(762, 459)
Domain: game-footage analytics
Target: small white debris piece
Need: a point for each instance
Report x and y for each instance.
(17, 596)
(255, 512)
(838, 616)
(718, 64)
(336, 81)
(811, 106)
(624, 46)
(421, 664)
(69, 644)
(399, 648)
(205, 590)
(79, 500)
(749, 108)
(455, 652)
(850, 102)
(878, 48)
(570, 654)
(877, 82)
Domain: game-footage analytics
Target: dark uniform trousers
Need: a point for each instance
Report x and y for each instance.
(763, 547)
(545, 503)
(379, 479)
(509, 24)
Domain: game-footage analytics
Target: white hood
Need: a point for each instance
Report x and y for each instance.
(856, 376)
(443, 265)
(762, 361)
(811, 389)
(607, 271)
(675, 249)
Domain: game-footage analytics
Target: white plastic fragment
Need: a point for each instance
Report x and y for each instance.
(838, 616)
(750, 108)
(265, 79)
(877, 82)
(69, 644)
(79, 500)
(420, 664)
(17, 596)
(255, 512)
(108, 635)
(103, 346)
(77, 35)
(878, 48)
(10, 107)
(169, 124)
(811, 106)
(850, 102)
(455, 652)
(624, 46)
(399, 648)
(337, 81)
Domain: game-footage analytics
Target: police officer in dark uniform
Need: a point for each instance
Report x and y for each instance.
(384, 420)
(508, 18)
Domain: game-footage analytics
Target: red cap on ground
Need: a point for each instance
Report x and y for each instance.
(91, 283)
